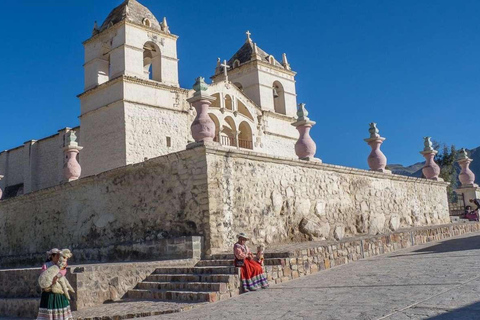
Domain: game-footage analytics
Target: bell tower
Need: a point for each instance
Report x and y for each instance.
(131, 71)
(269, 83)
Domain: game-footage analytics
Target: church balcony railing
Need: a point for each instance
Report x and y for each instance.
(245, 144)
(227, 141)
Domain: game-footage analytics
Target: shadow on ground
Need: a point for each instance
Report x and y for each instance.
(469, 312)
(462, 244)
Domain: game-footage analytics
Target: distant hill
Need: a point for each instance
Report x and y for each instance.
(415, 170)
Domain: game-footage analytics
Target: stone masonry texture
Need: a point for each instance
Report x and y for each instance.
(215, 193)
(279, 200)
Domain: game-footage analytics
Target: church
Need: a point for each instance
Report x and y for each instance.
(133, 107)
(149, 189)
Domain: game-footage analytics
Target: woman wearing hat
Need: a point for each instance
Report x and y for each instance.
(251, 271)
(54, 306)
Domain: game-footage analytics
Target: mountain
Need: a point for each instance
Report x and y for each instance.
(415, 170)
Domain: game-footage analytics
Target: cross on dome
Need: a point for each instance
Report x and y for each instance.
(248, 36)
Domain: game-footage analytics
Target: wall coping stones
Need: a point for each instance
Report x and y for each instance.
(227, 152)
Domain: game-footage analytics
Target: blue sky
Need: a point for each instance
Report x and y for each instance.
(411, 66)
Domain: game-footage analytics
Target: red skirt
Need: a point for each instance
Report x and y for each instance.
(253, 276)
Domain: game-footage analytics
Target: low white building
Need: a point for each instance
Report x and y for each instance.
(133, 108)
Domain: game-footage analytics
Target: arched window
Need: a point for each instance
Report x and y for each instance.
(152, 62)
(227, 136)
(147, 23)
(228, 102)
(271, 59)
(245, 139)
(217, 127)
(236, 63)
(278, 98)
(216, 102)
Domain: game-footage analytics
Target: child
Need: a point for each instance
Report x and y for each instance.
(260, 254)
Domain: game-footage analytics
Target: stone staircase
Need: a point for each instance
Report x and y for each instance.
(210, 280)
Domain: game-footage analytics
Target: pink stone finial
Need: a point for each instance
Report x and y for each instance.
(203, 127)
(376, 160)
(466, 176)
(430, 170)
(305, 147)
(71, 168)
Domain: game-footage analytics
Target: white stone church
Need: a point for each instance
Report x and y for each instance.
(133, 108)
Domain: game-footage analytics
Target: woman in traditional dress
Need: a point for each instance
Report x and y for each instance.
(52, 258)
(251, 271)
(54, 306)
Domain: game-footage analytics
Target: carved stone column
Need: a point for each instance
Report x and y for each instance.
(376, 160)
(466, 176)
(305, 147)
(203, 128)
(71, 168)
(430, 170)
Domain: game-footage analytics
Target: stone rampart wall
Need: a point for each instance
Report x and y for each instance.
(120, 215)
(214, 192)
(277, 200)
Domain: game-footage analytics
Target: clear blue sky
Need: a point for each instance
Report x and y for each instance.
(411, 66)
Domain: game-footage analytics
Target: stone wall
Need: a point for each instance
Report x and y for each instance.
(38, 164)
(279, 200)
(123, 214)
(94, 284)
(214, 192)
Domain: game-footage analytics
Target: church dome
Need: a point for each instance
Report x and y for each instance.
(132, 11)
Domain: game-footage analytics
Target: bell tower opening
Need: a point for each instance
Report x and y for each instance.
(278, 98)
(152, 61)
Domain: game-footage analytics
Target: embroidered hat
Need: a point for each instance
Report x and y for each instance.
(242, 235)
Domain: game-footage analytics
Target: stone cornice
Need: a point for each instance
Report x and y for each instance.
(112, 104)
(280, 116)
(131, 79)
(125, 22)
(237, 153)
(279, 135)
(154, 84)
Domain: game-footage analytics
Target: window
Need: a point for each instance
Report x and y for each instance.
(169, 142)
(147, 23)
(236, 63)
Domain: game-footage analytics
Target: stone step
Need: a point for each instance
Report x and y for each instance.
(197, 270)
(187, 296)
(19, 307)
(268, 255)
(224, 262)
(184, 286)
(191, 278)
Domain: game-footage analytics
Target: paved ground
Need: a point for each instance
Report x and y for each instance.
(437, 281)
(132, 309)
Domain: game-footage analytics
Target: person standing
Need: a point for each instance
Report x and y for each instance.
(54, 306)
